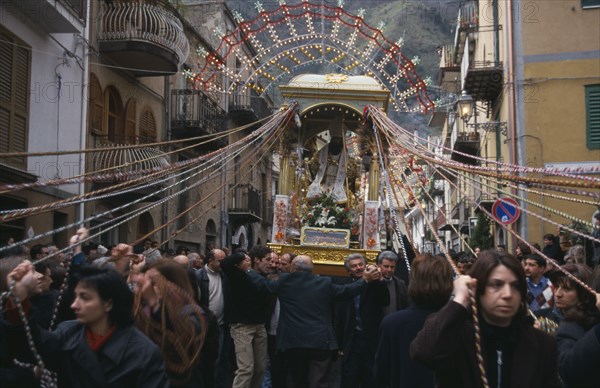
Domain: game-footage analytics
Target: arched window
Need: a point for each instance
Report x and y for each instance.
(147, 127)
(130, 121)
(211, 235)
(95, 105)
(113, 110)
(145, 224)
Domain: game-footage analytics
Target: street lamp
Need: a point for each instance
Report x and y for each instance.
(464, 106)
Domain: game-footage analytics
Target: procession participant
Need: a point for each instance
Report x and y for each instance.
(514, 353)
(539, 288)
(246, 310)
(214, 289)
(579, 331)
(166, 311)
(429, 290)
(522, 250)
(596, 234)
(552, 248)
(13, 343)
(196, 261)
(101, 347)
(357, 323)
(387, 261)
(305, 333)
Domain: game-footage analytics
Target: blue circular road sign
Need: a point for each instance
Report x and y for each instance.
(506, 210)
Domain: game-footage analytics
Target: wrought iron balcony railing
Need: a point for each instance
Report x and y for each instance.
(249, 107)
(193, 113)
(134, 161)
(244, 203)
(131, 33)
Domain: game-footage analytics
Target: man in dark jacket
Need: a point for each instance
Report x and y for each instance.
(387, 262)
(552, 248)
(357, 324)
(213, 286)
(305, 333)
(246, 311)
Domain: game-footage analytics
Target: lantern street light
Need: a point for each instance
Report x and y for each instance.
(464, 106)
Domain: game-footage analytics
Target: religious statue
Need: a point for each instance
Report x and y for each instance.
(331, 173)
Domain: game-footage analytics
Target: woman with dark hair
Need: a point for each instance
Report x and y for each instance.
(13, 343)
(578, 335)
(429, 289)
(101, 348)
(522, 251)
(165, 309)
(514, 353)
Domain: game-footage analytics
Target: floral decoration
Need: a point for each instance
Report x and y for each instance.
(324, 212)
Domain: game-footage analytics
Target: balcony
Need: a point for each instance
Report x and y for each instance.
(268, 212)
(449, 70)
(466, 143)
(437, 188)
(194, 114)
(440, 217)
(468, 21)
(244, 204)
(147, 39)
(245, 109)
(135, 162)
(62, 16)
(485, 201)
(485, 80)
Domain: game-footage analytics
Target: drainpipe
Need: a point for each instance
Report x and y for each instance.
(85, 79)
(164, 233)
(512, 119)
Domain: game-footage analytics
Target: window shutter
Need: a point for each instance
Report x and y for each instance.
(6, 59)
(15, 63)
(96, 105)
(148, 126)
(592, 113)
(130, 115)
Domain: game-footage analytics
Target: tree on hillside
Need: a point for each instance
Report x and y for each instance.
(480, 235)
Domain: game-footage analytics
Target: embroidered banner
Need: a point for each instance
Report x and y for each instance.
(370, 229)
(280, 218)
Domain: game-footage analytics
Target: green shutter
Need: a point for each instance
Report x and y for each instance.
(590, 3)
(592, 115)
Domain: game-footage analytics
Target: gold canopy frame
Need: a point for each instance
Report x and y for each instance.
(327, 261)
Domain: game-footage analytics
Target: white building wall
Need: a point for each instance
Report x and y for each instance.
(55, 108)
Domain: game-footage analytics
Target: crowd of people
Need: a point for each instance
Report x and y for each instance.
(135, 316)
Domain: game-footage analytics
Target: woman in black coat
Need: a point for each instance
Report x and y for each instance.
(578, 335)
(101, 348)
(429, 289)
(514, 353)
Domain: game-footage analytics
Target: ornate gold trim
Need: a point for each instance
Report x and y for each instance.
(334, 78)
(324, 255)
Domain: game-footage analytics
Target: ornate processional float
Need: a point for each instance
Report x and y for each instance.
(328, 203)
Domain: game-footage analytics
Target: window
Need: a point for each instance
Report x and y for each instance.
(147, 127)
(113, 109)
(592, 115)
(590, 3)
(15, 62)
(130, 116)
(95, 105)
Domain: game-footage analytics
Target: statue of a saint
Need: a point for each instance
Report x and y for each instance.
(331, 175)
